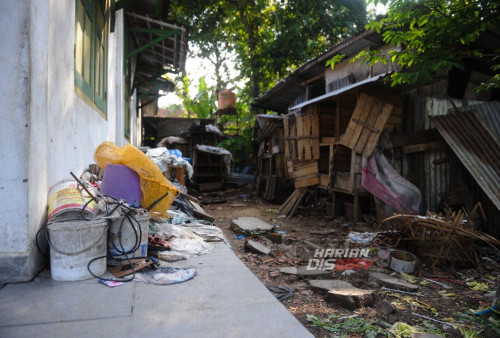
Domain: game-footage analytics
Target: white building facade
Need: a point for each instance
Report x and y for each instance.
(64, 89)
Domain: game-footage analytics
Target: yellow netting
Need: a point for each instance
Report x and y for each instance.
(153, 183)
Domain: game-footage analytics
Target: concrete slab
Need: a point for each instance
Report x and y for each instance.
(224, 299)
(238, 287)
(352, 298)
(257, 247)
(49, 301)
(105, 328)
(249, 225)
(329, 284)
(254, 320)
(303, 271)
(221, 255)
(344, 293)
(393, 282)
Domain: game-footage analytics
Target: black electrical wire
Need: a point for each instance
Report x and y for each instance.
(137, 230)
(110, 208)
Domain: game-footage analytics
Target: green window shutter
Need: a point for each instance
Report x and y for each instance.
(91, 50)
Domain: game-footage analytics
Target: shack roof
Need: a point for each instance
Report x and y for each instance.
(280, 97)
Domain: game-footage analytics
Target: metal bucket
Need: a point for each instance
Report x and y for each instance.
(73, 245)
(67, 203)
(402, 261)
(129, 237)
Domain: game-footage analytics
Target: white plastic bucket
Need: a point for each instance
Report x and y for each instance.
(126, 240)
(73, 244)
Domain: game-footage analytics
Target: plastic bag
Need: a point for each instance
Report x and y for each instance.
(153, 184)
(165, 275)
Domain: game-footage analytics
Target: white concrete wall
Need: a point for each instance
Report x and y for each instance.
(47, 129)
(14, 89)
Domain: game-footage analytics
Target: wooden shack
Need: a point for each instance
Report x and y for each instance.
(333, 118)
(271, 174)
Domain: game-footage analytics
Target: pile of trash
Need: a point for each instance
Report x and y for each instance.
(122, 217)
(355, 279)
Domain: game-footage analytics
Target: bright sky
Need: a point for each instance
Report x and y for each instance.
(198, 67)
(195, 68)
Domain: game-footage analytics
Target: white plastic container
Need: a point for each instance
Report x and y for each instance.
(128, 239)
(73, 244)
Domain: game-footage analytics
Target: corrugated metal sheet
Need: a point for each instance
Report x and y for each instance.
(476, 147)
(430, 172)
(268, 125)
(437, 173)
(490, 113)
(440, 107)
(338, 91)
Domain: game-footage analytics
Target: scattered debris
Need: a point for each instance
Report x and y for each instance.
(361, 237)
(329, 284)
(402, 261)
(276, 237)
(449, 238)
(281, 292)
(303, 271)
(165, 275)
(256, 247)
(393, 282)
(385, 308)
(291, 204)
(351, 298)
(400, 291)
(250, 225)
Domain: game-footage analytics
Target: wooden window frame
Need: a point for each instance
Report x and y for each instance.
(93, 91)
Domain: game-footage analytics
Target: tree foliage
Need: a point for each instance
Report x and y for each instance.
(270, 37)
(202, 104)
(431, 35)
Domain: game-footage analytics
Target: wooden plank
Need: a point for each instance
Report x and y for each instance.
(302, 137)
(350, 138)
(198, 211)
(300, 134)
(327, 140)
(381, 121)
(306, 181)
(308, 154)
(315, 132)
(293, 142)
(358, 129)
(370, 121)
(331, 165)
(351, 171)
(305, 170)
(366, 125)
(324, 181)
(297, 202)
(416, 148)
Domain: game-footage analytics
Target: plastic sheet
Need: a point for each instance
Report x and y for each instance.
(185, 241)
(165, 275)
(162, 157)
(381, 180)
(153, 184)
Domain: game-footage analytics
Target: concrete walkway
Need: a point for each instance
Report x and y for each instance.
(224, 300)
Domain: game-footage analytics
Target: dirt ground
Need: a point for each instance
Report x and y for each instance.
(454, 304)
